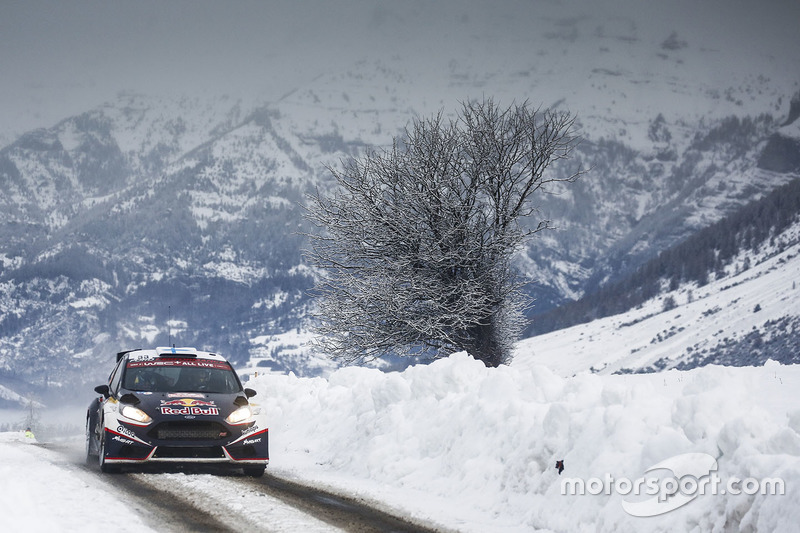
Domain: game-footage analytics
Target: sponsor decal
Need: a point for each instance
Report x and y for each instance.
(251, 429)
(188, 407)
(249, 437)
(194, 363)
(188, 402)
(125, 431)
(122, 440)
(186, 395)
(207, 411)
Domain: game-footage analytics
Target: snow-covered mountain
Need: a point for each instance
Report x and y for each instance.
(749, 313)
(149, 220)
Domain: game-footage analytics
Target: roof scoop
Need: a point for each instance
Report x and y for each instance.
(129, 398)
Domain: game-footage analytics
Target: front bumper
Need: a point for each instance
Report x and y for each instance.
(130, 444)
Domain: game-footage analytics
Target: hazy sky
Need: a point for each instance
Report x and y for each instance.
(58, 57)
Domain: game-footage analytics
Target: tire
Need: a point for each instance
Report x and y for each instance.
(91, 456)
(254, 471)
(91, 432)
(101, 457)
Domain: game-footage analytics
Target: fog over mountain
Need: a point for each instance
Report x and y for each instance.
(61, 58)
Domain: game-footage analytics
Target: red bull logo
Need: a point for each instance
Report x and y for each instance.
(188, 402)
(188, 406)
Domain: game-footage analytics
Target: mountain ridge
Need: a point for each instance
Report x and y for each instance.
(144, 205)
(745, 314)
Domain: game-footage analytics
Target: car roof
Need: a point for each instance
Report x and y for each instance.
(169, 351)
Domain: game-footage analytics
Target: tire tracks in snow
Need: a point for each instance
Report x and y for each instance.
(191, 499)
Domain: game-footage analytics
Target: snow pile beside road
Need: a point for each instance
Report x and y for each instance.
(43, 491)
(475, 449)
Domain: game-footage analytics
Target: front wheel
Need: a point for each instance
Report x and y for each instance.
(254, 471)
(101, 457)
(91, 432)
(91, 456)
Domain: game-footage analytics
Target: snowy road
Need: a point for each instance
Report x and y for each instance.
(174, 501)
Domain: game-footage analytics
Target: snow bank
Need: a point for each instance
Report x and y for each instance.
(475, 449)
(42, 492)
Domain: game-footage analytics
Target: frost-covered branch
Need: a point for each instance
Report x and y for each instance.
(416, 243)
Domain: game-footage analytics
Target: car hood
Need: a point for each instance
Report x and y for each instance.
(179, 405)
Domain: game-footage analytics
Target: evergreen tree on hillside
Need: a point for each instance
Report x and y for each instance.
(698, 259)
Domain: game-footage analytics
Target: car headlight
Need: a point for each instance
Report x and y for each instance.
(134, 413)
(240, 415)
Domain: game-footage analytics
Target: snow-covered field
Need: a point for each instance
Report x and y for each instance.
(474, 449)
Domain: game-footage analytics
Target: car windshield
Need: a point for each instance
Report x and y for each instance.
(180, 375)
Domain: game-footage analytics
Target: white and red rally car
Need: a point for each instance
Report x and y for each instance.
(175, 405)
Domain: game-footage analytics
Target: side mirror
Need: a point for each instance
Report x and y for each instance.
(249, 393)
(103, 389)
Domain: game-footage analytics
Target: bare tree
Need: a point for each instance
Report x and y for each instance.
(416, 244)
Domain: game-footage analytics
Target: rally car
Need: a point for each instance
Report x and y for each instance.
(175, 405)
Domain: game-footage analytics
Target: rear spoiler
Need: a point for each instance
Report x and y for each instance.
(170, 351)
(120, 355)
